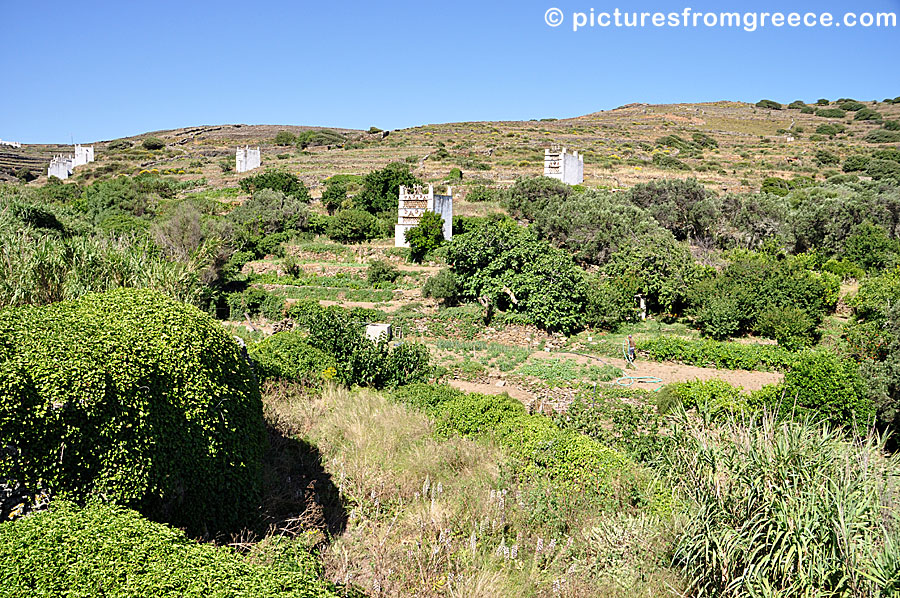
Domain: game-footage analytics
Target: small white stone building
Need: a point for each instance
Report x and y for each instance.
(561, 165)
(61, 167)
(414, 202)
(83, 154)
(10, 143)
(247, 159)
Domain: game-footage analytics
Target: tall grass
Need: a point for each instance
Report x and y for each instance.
(431, 516)
(39, 268)
(787, 509)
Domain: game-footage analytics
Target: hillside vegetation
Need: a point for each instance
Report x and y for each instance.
(679, 378)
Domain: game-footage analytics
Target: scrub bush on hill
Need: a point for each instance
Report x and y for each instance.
(134, 397)
(591, 225)
(684, 207)
(276, 180)
(288, 356)
(113, 552)
(508, 267)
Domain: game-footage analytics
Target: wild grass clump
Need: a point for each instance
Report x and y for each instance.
(786, 509)
(432, 515)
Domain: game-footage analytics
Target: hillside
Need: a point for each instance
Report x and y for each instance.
(619, 145)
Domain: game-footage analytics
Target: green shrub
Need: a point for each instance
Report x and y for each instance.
(883, 169)
(287, 356)
(826, 158)
(359, 360)
(831, 113)
(575, 462)
(113, 552)
(482, 193)
(882, 136)
(720, 317)
(382, 273)
(256, 301)
(153, 143)
(797, 105)
(508, 267)
(710, 397)
(868, 114)
(353, 226)
(768, 104)
(276, 180)
(334, 196)
(807, 110)
(822, 385)
(822, 102)
(320, 137)
(830, 129)
(136, 398)
(285, 138)
(381, 188)
(455, 175)
(443, 286)
(789, 325)
(610, 303)
(425, 236)
(851, 105)
(663, 160)
(855, 163)
(119, 144)
(892, 125)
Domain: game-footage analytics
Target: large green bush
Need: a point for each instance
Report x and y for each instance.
(134, 397)
(829, 388)
(381, 188)
(276, 180)
(112, 552)
(506, 266)
(353, 226)
(288, 356)
(357, 359)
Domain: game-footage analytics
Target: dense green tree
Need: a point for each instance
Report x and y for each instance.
(381, 188)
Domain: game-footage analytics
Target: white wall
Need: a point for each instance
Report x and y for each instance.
(247, 159)
(564, 166)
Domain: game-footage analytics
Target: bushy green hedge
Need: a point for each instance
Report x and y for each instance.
(574, 461)
(137, 398)
(113, 552)
(288, 356)
(724, 355)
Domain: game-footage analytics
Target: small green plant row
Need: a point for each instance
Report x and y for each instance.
(573, 461)
(720, 354)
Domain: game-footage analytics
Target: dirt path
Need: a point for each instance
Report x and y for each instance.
(676, 372)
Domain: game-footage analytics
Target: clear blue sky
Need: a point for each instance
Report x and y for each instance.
(110, 69)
